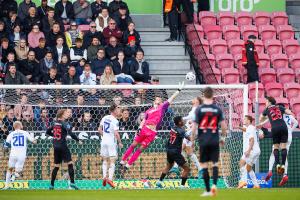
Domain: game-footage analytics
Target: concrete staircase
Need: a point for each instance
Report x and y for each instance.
(293, 10)
(167, 59)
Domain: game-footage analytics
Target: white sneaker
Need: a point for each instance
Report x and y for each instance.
(183, 187)
(206, 194)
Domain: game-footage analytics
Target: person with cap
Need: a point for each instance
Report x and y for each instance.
(131, 48)
(64, 10)
(122, 18)
(131, 31)
(171, 8)
(72, 34)
(250, 59)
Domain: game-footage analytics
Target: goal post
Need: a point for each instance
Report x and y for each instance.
(36, 106)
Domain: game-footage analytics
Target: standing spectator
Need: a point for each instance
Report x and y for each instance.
(7, 6)
(51, 78)
(22, 107)
(70, 78)
(203, 5)
(31, 20)
(9, 120)
(49, 20)
(41, 50)
(34, 36)
(23, 9)
(188, 9)
(131, 48)
(59, 49)
(99, 63)
(97, 7)
(112, 31)
(78, 52)
(43, 8)
(5, 49)
(87, 77)
(83, 12)
(102, 19)
(63, 66)
(122, 18)
(88, 36)
(45, 64)
(53, 34)
(171, 8)
(93, 49)
(12, 20)
(87, 123)
(108, 76)
(16, 35)
(131, 32)
(113, 48)
(250, 59)
(30, 67)
(64, 10)
(139, 68)
(115, 5)
(22, 50)
(3, 31)
(72, 34)
(121, 69)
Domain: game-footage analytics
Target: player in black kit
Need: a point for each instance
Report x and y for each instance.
(174, 147)
(208, 116)
(279, 130)
(59, 131)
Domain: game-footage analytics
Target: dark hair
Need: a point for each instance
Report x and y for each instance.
(250, 118)
(139, 50)
(102, 49)
(113, 107)
(78, 40)
(281, 104)
(50, 9)
(53, 68)
(4, 40)
(59, 37)
(11, 64)
(271, 100)
(177, 119)
(42, 39)
(200, 100)
(208, 93)
(104, 7)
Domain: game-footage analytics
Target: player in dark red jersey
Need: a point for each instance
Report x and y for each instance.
(279, 130)
(174, 147)
(59, 131)
(208, 116)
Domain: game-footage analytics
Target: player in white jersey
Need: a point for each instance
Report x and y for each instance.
(17, 140)
(251, 152)
(109, 129)
(291, 123)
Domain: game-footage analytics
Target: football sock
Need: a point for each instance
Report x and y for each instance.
(162, 176)
(243, 174)
(53, 175)
(135, 156)
(253, 177)
(183, 180)
(283, 156)
(111, 171)
(71, 173)
(206, 179)
(271, 161)
(8, 175)
(286, 167)
(276, 155)
(104, 168)
(215, 175)
(195, 161)
(128, 153)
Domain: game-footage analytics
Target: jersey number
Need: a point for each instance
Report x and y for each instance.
(172, 137)
(207, 123)
(106, 127)
(275, 114)
(57, 133)
(18, 141)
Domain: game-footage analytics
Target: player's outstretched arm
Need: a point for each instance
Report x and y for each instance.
(172, 98)
(262, 120)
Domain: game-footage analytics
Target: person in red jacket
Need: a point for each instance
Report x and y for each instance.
(112, 30)
(250, 59)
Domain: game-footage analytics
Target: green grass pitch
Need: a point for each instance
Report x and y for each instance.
(224, 194)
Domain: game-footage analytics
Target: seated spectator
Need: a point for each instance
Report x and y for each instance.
(102, 19)
(45, 64)
(64, 10)
(43, 8)
(139, 68)
(115, 5)
(122, 18)
(51, 78)
(83, 12)
(108, 76)
(80, 66)
(72, 34)
(117, 100)
(12, 20)
(31, 20)
(131, 48)
(121, 69)
(27, 122)
(87, 124)
(63, 66)
(34, 36)
(30, 67)
(9, 119)
(70, 78)
(99, 63)
(53, 34)
(88, 36)
(5, 49)
(92, 96)
(131, 32)
(97, 7)
(87, 77)
(49, 20)
(16, 35)
(113, 48)
(44, 121)
(112, 31)
(41, 50)
(93, 49)
(10, 60)
(8, 6)
(3, 31)
(22, 50)
(77, 52)
(22, 107)
(59, 49)
(23, 9)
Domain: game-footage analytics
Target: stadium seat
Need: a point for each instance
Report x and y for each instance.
(218, 46)
(279, 18)
(298, 117)
(225, 61)
(247, 30)
(259, 46)
(238, 61)
(84, 28)
(261, 18)
(267, 32)
(211, 58)
(284, 101)
(207, 18)
(243, 18)
(279, 61)
(213, 32)
(267, 75)
(252, 90)
(273, 47)
(243, 74)
(295, 105)
(264, 60)
(213, 75)
(231, 32)
(292, 90)
(291, 47)
(230, 76)
(194, 32)
(197, 46)
(286, 75)
(297, 73)
(294, 60)
(239, 103)
(66, 26)
(261, 104)
(274, 90)
(236, 46)
(285, 32)
(225, 18)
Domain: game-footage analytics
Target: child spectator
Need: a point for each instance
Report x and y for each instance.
(63, 66)
(59, 49)
(131, 48)
(78, 52)
(41, 50)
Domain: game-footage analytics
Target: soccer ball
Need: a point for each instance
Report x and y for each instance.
(190, 76)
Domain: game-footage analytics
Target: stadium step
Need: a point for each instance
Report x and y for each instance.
(174, 80)
(164, 50)
(167, 58)
(163, 65)
(154, 36)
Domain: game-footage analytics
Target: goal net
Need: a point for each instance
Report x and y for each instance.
(36, 106)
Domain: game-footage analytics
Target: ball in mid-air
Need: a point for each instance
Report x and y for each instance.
(190, 76)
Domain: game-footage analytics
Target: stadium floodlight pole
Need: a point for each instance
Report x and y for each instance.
(256, 110)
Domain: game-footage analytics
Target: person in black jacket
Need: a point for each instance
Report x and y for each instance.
(60, 49)
(52, 77)
(131, 32)
(14, 77)
(43, 8)
(6, 7)
(97, 8)
(12, 20)
(32, 19)
(139, 68)
(71, 78)
(30, 67)
(64, 10)
(88, 36)
(45, 64)
(99, 63)
(121, 69)
(113, 48)
(53, 34)
(41, 50)
(115, 5)
(131, 48)
(122, 18)
(51, 19)
(64, 65)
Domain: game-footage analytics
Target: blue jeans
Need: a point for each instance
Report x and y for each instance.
(124, 80)
(81, 21)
